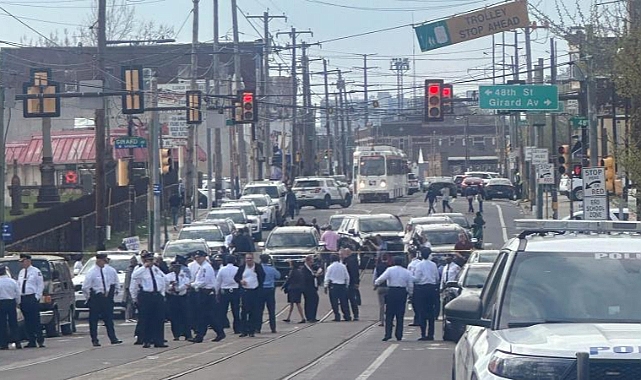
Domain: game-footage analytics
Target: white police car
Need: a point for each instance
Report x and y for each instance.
(556, 306)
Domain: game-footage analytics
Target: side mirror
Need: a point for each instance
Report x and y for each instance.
(467, 310)
(261, 245)
(351, 231)
(452, 284)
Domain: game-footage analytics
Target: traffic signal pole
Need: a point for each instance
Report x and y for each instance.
(553, 121)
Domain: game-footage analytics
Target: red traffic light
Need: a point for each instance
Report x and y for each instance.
(248, 97)
(447, 91)
(434, 89)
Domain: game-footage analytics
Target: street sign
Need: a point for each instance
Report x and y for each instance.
(579, 122)
(157, 189)
(168, 142)
(177, 126)
(528, 152)
(595, 208)
(540, 156)
(130, 142)
(545, 174)
(594, 182)
(7, 232)
(469, 26)
(132, 243)
(531, 97)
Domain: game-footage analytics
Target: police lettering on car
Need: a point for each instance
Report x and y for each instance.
(617, 256)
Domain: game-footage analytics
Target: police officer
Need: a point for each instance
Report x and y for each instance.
(177, 304)
(204, 284)
(228, 292)
(400, 283)
(9, 300)
(99, 287)
(268, 293)
(426, 294)
(350, 260)
(416, 259)
(31, 286)
(148, 290)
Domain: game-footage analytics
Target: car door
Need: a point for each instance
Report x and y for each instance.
(67, 297)
(333, 190)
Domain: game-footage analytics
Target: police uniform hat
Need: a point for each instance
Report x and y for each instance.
(101, 256)
(147, 256)
(175, 263)
(218, 257)
(180, 259)
(24, 256)
(199, 253)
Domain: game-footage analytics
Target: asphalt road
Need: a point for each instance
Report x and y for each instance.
(324, 350)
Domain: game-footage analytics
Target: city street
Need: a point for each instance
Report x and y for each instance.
(324, 350)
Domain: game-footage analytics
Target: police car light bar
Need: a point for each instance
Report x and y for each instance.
(577, 225)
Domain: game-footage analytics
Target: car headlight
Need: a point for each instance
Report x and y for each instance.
(361, 185)
(383, 184)
(528, 367)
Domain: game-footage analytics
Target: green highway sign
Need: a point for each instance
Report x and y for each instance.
(579, 122)
(532, 97)
(130, 142)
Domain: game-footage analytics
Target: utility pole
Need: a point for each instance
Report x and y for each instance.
(328, 129)
(400, 66)
(340, 84)
(3, 166)
(239, 128)
(191, 178)
(218, 162)
(130, 186)
(153, 207)
(100, 175)
(309, 136)
(553, 120)
(365, 69)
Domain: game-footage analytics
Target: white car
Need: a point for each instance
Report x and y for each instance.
(210, 233)
(182, 247)
(276, 190)
(253, 215)
(236, 215)
(571, 188)
(320, 192)
(265, 206)
(119, 260)
(554, 303)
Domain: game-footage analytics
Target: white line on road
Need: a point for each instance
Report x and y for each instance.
(377, 363)
(502, 220)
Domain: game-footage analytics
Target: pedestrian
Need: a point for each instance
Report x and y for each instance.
(242, 242)
(480, 197)
(228, 292)
(301, 222)
(463, 245)
(350, 259)
(148, 291)
(268, 292)
(77, 266)
(330, 238)
(250, 276)
(315, 225)
(426, 294)
(294, 289)
(9, 301)
(470, 193)
(450, 272)
(177, 302)
(290, 203)
(400, 283)
(381, 290)
(31, 287)
(175, 201)
(161, 264)
(206, 312)
(336, 282)
(130, 308)
(311, 275)
(445, 199)
(430, 197)
(416, 259)
(477, 229)
(99, 288)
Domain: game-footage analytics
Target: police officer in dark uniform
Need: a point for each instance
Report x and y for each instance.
(31, 287)
(426, 294)
(148, 291)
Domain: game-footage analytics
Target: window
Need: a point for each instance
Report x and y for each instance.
(490, 292)
(478, 140)
(453, 141)
(372, 166)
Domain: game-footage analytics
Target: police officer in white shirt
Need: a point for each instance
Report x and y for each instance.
(9, 300)
(416, 259)
(336, 280)
(148, 291)
(400, 283)
(207, 313)
(178, 281)
(99, 287)
(450, 271)
(426, 294)
(31, 287)
(228, 292)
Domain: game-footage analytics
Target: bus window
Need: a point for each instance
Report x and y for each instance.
(372, 166)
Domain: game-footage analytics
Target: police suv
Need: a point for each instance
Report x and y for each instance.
(561, 302)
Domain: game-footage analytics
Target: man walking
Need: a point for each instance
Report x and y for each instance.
(148, 291)
(250, 276)
(336, 280)
(9, 300)
(350, 260)
(177, 303)
(430, 197)
(426, 294)
(228, 291)
(416, 259)
(311, 274)
(205, 284)
(400, 283)
(99, 287)
(31, 286)
(174, 205)
(268, 292)
(445, 198)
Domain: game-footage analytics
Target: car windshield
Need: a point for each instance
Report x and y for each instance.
(249, 209)
(460, 220)
(258, 201)
(290, 240)
(440, 237)
(15, 266)
(500, 182)
(486, 257)
(173, 249)
(307, 184)
(120, 264)
(272, 191)
(235, 216)
(335, 222)
(476, 276)
(381, 225)
(209, 234)
(372, 165)
(572, 287)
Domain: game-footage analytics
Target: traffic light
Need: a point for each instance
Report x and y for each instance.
(433, 100)
(610, 173)
(133, 102)
(165, 161)
(326, 153)
(446, 96)
(249, 114)
(194, 113)
(123, 172)
(564, 159)
(577, 171)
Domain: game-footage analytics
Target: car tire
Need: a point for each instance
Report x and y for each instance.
(447, 334)
(327, 202)
(577, 194)
(69, 328)
(347, 202)
(53, 328)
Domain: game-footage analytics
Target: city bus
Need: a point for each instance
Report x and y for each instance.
(380, 173)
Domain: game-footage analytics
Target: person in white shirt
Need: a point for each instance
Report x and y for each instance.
(416, 259)
(77, 266)
(426, 294)
(148, 291)
(227, 291)
(337, 280)
(31, 285)
(250, 276)
(207, 312)
(99, 287)
(400, 283)
(9, 301)
(177, 304)
(445, 198)
(450, 272)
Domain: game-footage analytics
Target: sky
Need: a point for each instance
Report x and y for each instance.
(330, 21)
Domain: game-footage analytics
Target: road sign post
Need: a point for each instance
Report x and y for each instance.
(534, 97)
(545, 174)
(595, 196)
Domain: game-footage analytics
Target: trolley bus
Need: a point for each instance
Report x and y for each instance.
(380, 173)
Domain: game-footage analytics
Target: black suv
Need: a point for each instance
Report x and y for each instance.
(357, 232)
(57, 302)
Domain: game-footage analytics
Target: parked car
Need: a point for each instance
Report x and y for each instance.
(236, 215)
(484, 176)
(285, 244)
(471, 181)
(182, 247)
(210, 233)
(265, 205)
(471, 280)
(458, 181)
(442, 237)
(276, 191)
(413, 222)
(457, 218)
(57, 310)
(499, 188)
(226, 225)
(483, 256)
(336, 220)
(320, 192)
(253, 215)
(357, 231)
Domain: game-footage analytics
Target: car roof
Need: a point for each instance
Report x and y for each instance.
(294, 229)
(429, 218)
(340, 216)
(440, 227)
(201, 227)
(249, 196)
(176, 241)
(450, 214)
(375, 216)
(221, 210)
(580, 243)
(311, 178)
(235, 203)
(34, 256)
